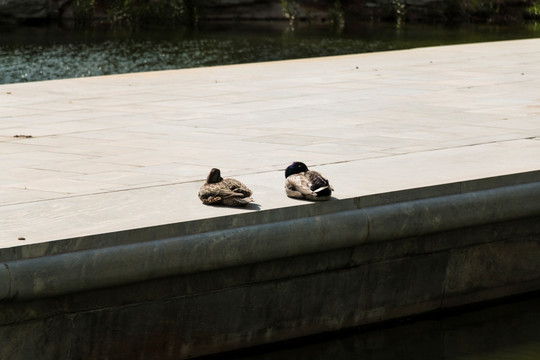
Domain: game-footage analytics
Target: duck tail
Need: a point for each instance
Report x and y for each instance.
(244, 200)
(324, 191)
(320, 189)
(236, 201)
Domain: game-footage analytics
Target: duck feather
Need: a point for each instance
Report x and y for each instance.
(309, 185)
(229, 192)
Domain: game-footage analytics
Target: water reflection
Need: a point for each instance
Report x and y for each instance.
(504, 332)
(52, 52)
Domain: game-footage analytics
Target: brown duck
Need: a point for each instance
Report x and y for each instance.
(219, 191)
(302, 183)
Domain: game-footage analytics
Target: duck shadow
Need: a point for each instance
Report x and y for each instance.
(252, 206)
(249, 207)
(332, 198)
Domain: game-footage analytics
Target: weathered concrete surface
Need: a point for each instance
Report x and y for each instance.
(130, 151)
(432, 152)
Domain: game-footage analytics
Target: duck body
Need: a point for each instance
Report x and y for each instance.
(302, 183)
(228, 192)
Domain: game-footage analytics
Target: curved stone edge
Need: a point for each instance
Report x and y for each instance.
(302, 209)
(99, 268)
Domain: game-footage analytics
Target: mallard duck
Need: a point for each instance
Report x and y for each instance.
(302, 183)
(219, 191)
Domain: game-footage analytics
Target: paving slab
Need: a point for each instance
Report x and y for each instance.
(111, 153)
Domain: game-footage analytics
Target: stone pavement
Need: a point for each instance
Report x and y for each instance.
(129, 151)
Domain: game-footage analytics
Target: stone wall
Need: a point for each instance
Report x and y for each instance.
(31, 9)
(302, 10)
(24, 9)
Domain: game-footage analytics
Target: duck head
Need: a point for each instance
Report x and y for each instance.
(214, 176)
(295, 168)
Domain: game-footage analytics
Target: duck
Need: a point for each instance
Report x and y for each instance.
(302, 183)
(228, 192)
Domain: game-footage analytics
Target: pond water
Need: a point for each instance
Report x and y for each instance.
(502, 332)
(54, 52)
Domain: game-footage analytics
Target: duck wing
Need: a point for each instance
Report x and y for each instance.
(309, 185)
(228, 192)
(224, 189)
(236, 188)
(317, 181)
(211, 193)
(298, 186)
(237, 201)
(320, 185)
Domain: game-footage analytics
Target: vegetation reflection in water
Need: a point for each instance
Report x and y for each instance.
(45, 53)
(502, 332)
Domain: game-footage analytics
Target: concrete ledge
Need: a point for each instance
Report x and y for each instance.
(113, 266)
(274, 275)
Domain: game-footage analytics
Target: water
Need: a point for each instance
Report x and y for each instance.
(54, 52)
(502, 332)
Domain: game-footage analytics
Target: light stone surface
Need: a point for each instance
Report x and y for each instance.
(128, 151)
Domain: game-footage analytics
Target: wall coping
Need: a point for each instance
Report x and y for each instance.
(267, 235)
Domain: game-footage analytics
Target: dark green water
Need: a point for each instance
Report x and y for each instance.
(53, 52)
(502, 332)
